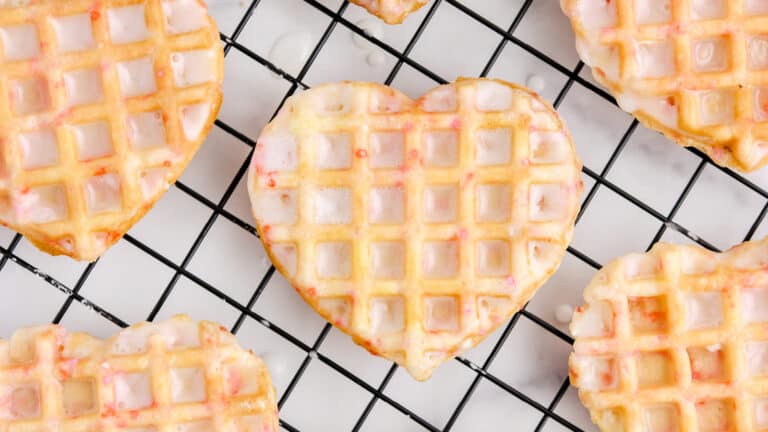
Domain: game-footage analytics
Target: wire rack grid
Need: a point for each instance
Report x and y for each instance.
(547, 417)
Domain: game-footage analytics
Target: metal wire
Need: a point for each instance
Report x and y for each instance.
(377, 394)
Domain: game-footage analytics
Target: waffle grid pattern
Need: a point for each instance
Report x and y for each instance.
(552, 417)
(176, 375)
(445, 304)
(680, 330)
(711, 69)
(85, 220)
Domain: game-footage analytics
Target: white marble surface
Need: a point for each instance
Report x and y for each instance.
(128, 282)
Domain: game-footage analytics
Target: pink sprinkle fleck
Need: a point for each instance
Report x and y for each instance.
(235, 382)
(718, 153)
(68, 367)
(456, 123)
(265, 236)
(468, 179)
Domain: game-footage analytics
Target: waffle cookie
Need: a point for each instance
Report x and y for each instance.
(104, 103)
(178, 375)
(391, 11)
(417, 227)
(675, 340)
(696, 70)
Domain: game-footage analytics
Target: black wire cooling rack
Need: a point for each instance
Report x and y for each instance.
(377, 394)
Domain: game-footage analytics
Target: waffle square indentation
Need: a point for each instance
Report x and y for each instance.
(653, 11)
(386, 205)
(39, 149)
(493, 202)
(127, 24)
(23, 401)
(74, 33)
(707, 363)
(133, 391)
(334, 151)
(441, 148)
(493, 258)
(440, 259)
(187, 385)
(29, 95)
(703, 310)
(20, 42)
(662, 417)
(388, 259)
(83, 87)
(441, 203)
(137, 77)
(655, 369)
(441, 313)
(103, 193)
(493, 146)
(184, 16)
(715, 415)
(648, 314)
(93, 140)
(334, 260)
(79, 396)
(146, 130)
(387, 314)
(711, 54)
(387, 149)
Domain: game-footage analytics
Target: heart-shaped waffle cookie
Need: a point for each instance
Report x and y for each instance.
(177, 375)
(417, 227)
(104, 105)
(675, 340)
(692, 69)
(391, 11)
